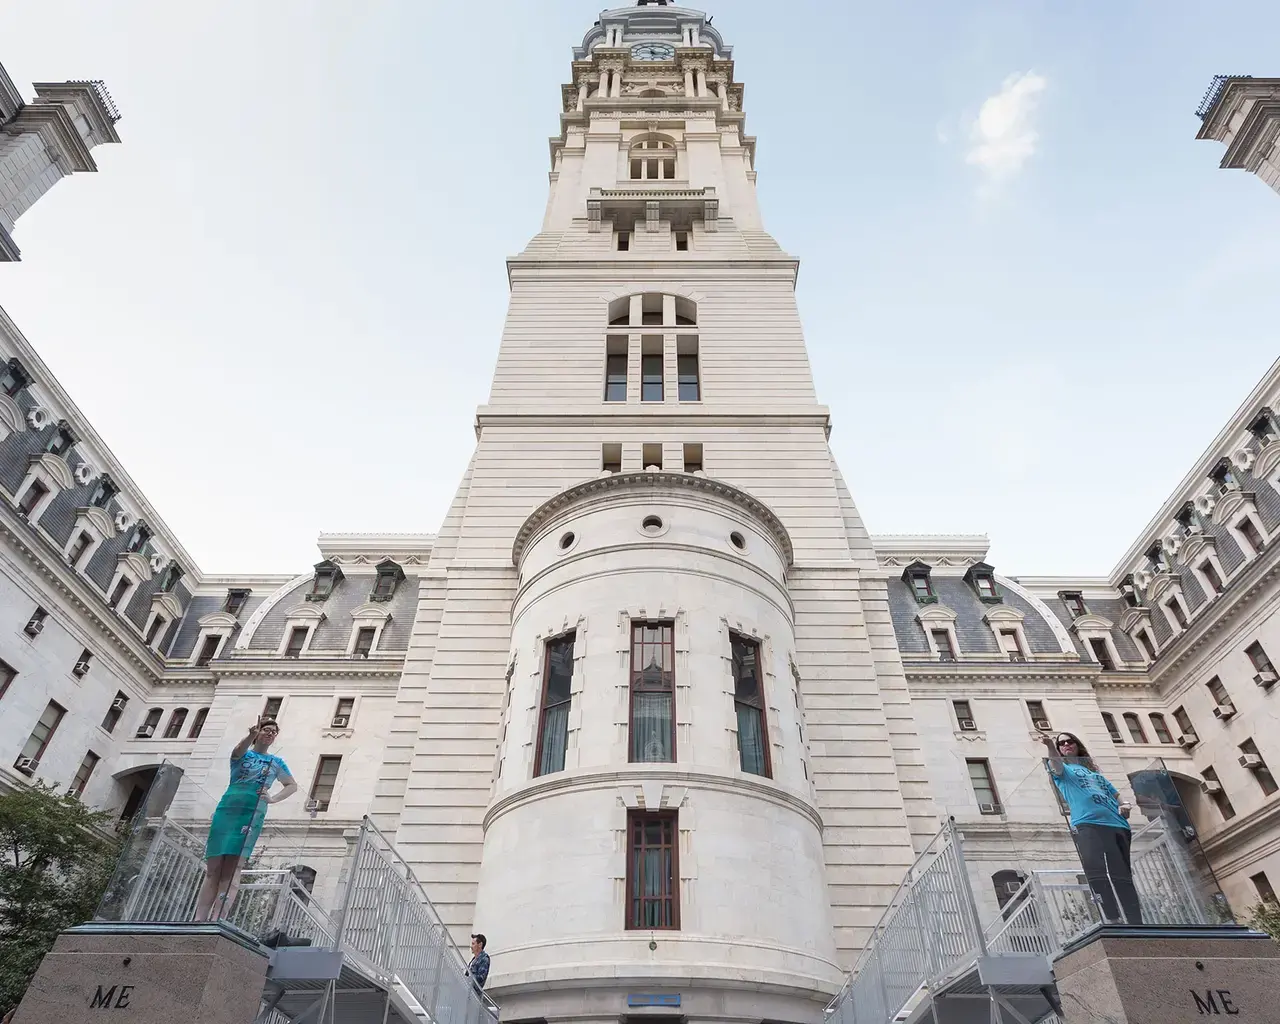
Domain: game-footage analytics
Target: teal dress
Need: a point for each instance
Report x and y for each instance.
(243, 808)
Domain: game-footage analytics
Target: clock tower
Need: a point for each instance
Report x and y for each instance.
(653, 736)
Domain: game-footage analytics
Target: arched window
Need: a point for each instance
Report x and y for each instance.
(1161, 728)
(197, 727)
(1134, 725)
(652, 311)
(653, 158)
(1110, 722)
(651, 93)
(148, 727)
(174, 728)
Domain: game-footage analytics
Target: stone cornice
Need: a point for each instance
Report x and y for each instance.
(345, 666)
(53, 124)
(1012, 671)
(652, 481)
(1230, 837)
(637, 775)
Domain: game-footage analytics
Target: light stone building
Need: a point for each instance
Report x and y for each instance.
(651, 708)
(45, 140)
(1244, 113)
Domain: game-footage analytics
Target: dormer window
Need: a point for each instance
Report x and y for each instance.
(13, 378)
(103, 493)
(138, 539)
(916, 576)
(1224, 476)
(235, 601)
(1186, 518)
(170, 578)
(389, 577)
(1156, 555)
(1264, 424)
(1130, 593)
(1074, 600)
(61, 441)
(983, 579)
(328, 576)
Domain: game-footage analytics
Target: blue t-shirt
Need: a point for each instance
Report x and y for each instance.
(1091, 799)
(262, 769)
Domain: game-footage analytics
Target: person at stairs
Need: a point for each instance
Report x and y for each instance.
(239, 817)
(478, 969)
(1100, 823)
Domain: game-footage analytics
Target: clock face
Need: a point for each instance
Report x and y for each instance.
(652, 51)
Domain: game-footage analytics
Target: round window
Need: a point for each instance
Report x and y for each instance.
(566, 541)
(738, 541)
(651, 524)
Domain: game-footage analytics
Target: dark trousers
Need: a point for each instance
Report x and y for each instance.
(1104, 855)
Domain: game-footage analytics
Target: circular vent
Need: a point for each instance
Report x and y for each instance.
(738, 541)
(651, 524)
(566, 541)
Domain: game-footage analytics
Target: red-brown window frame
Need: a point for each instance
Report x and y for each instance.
(762, 707)
(637, 624)
(571, 637)
(636, 820)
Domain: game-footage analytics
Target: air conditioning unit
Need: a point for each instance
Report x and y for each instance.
(989, 808)
(313, 806)
(81, 667)
(1188, 740)
(34, 627)
(968, 725)
(1251, 761)
(1224, 711)
(359, 654)
(27, 765)
(1266, 678)
(119, 703)
(1042, 724)
(1211, 787)
(1017, 657)
(146, 732)
(340, 721)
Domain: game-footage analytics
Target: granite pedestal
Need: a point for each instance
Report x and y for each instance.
(1122, 975)
(147, 974)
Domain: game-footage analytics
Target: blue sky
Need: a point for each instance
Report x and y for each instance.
(280, 300)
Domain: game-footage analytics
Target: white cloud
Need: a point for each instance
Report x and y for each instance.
(1003, 135)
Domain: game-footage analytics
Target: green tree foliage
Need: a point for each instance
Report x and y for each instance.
(55, 860)
(1266, 918)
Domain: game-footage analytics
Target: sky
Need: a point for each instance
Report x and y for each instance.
(1031, 297)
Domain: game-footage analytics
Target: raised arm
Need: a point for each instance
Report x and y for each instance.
(242, 748)
(1056, 764)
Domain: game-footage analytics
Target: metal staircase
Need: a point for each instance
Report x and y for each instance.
(930, 959)
(380, 956)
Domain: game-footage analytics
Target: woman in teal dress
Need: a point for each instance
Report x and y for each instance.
(238, 820)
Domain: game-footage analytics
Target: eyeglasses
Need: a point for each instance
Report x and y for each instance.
(1067, 742)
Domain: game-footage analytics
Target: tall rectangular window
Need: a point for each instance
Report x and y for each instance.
(687, 376)
(1011, 646)
(197, 726)
(38, 742)
(651, 382)
(364, 641)
(1109, 721)
(1184, 721)
(651, 455)
(235, 601)
(1074, 600)
(1263, 887)
(693, 458)
(942, 641)
(1175, 609)
(35, 493)
(1134, 725)
(1251, 758)
(153, 631)
(1039, 717)
(553, 724)
(964, 715)
(653, 691)
(7, 675)
(173, 729)
(984, 785)
(326, 778)
(749, 706)
(83, 774)
(208, 649)
(1251, 535)
(1258, 658)
(118, 594)
(79, 548)
(271, 709)
(1218, 691)
(653, 872)
(1102, 654)
(611, 458)
(112, 717)
(297, 641)
(615, 369)
(1211, 576)
(1147, 644)
(1160, 728)
(1213, 786)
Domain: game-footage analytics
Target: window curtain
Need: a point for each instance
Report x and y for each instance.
(651, 726)
(555, 737)
(750, 739)
(652, 870)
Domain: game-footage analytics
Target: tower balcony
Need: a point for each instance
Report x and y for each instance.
(652, 203)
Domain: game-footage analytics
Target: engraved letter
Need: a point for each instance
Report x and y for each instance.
(1203, 1007)
(1225, 995)
(102, 1000)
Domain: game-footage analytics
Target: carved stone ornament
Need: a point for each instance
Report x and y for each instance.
(1141, 579)
(38, 417)
(1231, 503)
(124, 521)
(1242, 458)
(1204, 504)
(158, 562)
(1267, 460)
(84, 473)
(1171, 544)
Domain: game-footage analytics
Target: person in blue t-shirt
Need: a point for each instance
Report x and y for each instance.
(1100, 822)
(238, 820)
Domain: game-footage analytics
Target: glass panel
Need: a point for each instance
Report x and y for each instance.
(751, 739)
(651, 726)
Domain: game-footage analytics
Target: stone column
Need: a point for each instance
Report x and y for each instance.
(723, 92)
(604, 83)
(702, 82)
(617, 84)
(582, 94)
(688, 82)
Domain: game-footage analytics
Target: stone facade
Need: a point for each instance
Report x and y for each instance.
(45, 140)
(1244, 113)
(725, 813)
